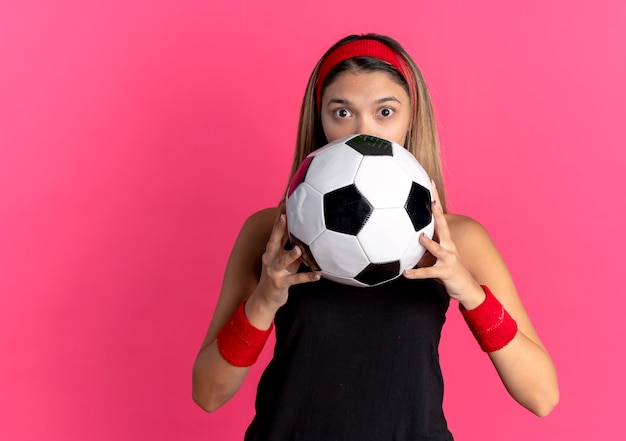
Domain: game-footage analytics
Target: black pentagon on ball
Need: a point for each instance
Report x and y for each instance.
(369, 145)
(418, 206)
(376, 273)
(346, 210)
(307, 255)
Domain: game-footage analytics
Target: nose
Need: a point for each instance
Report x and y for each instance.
(364, 126)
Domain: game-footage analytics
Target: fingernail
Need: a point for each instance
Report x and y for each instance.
(432, 182)
(316, 276)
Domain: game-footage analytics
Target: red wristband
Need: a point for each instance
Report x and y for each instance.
(492, 326)
(239, 342)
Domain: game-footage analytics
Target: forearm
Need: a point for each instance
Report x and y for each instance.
(215, 378)
(523, 364)
(261, 271)
(528, 374)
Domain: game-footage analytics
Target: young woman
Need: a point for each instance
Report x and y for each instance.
(362, 363)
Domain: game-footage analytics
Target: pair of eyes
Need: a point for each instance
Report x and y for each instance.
(383, 112)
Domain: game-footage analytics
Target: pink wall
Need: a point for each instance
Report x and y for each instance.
(136, 136)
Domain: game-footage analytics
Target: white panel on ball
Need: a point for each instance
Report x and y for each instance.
(339, 254)
(305, 213)
(413, 168)
(386, 235)
(333, 168)
(413, 253)
(345, 280)
(389, 191)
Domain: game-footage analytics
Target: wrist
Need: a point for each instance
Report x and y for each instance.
(239, 341)
(490, 323)
(473, 298)
(259, 312)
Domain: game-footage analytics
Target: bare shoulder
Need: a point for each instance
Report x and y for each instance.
(243, 268)
(254, 234)
(482, 259)
(467, 232)
(474, 246)
(261, 222)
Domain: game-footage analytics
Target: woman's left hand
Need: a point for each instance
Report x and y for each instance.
(447, 268)
(523, 365)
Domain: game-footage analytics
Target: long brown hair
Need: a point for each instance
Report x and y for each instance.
(421, 140)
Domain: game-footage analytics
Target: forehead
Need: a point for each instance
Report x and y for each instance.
(364, 83)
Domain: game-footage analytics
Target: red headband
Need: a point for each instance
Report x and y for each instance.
(363, 48)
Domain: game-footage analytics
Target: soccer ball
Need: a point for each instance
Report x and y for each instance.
(356, 208)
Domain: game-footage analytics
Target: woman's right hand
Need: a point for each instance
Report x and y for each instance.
(279, 270)
(260, 270)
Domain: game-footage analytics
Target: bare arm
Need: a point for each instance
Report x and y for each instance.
(260, 271)
(467, 258)
(524, 365)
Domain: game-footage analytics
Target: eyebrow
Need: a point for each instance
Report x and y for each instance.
(387, 99)
(378, 101)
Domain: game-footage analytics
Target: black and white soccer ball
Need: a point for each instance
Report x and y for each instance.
(356, 208)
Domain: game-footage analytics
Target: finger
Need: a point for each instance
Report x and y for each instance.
(434, 248)
(441, 224)
(430, 272)
(433, 187)
(288, 258)
(306, 277)
(275, 242)
(437, 209)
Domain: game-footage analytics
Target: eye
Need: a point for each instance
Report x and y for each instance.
(342, 113)
(386, 112)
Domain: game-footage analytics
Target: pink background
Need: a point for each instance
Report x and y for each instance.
(136, 136)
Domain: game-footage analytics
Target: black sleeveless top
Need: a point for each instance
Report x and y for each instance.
(355, 364)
